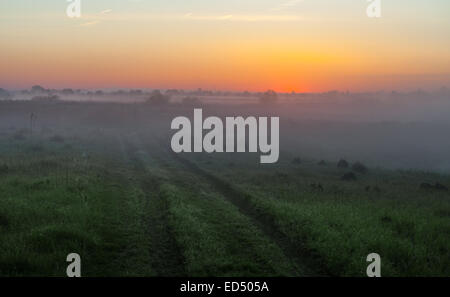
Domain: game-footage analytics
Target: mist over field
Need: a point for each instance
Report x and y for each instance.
(94, 172)
(398, 130)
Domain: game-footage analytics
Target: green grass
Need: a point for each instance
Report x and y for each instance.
(131, 209)
(53, 203)
(213, 237)
(340, 226)
(217, 240)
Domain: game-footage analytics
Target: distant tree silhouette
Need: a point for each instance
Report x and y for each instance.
(172, 92)
(38, 89)
(4, 94)
(157, 98)
(269, 97)
(136, 92)
(68, 92)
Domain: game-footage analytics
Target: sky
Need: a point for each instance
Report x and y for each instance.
(255, 45)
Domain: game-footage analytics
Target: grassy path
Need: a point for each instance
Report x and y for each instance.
(250, 238)
(265, 222)
(166, 259)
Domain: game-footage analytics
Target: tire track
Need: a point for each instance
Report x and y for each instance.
(304, 263)
(167, 259)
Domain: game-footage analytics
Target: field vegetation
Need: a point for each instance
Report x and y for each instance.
(99, 179)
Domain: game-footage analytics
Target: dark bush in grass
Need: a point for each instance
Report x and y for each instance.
(377, 189)
(317, 187)
(4, 222)
(440, 187)
(426, 186)
(322, 163)
(297, 161)
(360, 168)
(4, 169)
(57, 138)
(349, 176)
(437, 186)
(342, 164)
(386, 219)
(444, 213)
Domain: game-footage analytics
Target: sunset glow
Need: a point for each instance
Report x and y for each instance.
(230, 45)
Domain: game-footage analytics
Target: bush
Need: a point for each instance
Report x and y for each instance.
(349, 176)
(360, 168)
(4, 169)
(269, 97)
(342, 164)
(157, 98)
(4, 94)
(297, 161)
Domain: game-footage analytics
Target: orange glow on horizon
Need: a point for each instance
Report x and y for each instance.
(224, 56)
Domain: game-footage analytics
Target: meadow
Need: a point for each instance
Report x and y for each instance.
(99, 179)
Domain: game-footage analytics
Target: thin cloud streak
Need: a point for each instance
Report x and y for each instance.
(91, 23)
(194, 17)
(106, 11)
(287, 5)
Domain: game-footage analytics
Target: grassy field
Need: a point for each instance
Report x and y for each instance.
(382, 211)
(111, 191)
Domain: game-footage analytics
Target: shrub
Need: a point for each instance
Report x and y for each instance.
(342, 164)
(349, 176)
(297, 161)
(157, 98)
(269, 97)
(360, 168)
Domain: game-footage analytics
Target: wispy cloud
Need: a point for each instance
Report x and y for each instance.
(286, 5)
(195, 17)
(110, 16)
(91, 23)
(96, 18)
(105, 11)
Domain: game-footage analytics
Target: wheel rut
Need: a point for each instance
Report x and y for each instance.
(166, 257)
(305, 264)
